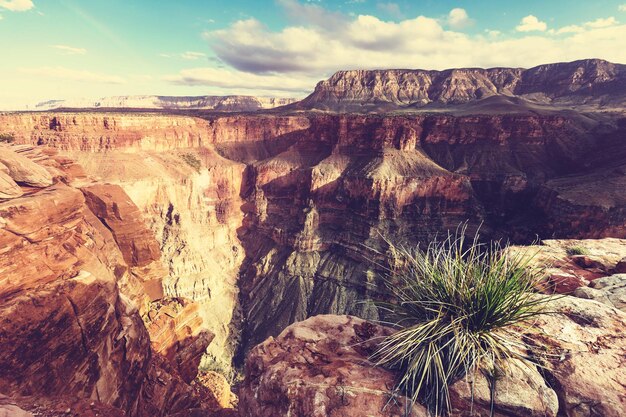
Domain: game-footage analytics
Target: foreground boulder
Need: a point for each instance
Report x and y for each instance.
(320, 367)
(519, 391)
(586, 356)
(609, 290)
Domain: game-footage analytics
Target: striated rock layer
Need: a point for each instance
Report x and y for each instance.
(591, 81)
(298, 207)
(71, 290)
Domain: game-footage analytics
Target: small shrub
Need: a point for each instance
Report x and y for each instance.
(453, 305)
(576, 250)
(192, 161)
(6, 138)
(210, 363)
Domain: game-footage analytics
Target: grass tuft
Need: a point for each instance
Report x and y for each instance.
(192, 161)
(7, 138)
(453, 305)
(576, 250)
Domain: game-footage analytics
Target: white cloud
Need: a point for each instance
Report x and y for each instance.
(191, 55)
(459, 19)
(69, 50)
(594, 24)
(570, 29)
(602, 23)
(252, 56)
(68, 74)
(231, 79)
(530, 23)
(622, 7)
(17, 5)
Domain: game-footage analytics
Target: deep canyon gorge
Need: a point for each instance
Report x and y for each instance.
(203, 234)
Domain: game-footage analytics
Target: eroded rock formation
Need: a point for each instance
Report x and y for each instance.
(298, 206)
(317, 368)
(580, 82)
(71, 332)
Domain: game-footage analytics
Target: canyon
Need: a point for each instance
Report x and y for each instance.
(202, 235)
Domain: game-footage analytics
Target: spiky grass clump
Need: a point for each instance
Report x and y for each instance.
(576, 250)
(453, 305)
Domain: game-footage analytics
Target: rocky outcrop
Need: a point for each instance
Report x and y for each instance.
(610, 290)
(587, 372)
(520, 390)
(141, 252)
(194, 215)
(579, 82)
(68, 333)
(176, 333)
(320, 367)
(578, 267)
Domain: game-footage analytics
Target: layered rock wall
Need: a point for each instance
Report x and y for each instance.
(580, 82)
(298, 208)
(69, 300)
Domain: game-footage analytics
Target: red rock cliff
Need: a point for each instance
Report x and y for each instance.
(69, 295)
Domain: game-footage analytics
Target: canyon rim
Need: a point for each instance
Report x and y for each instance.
(211, 209)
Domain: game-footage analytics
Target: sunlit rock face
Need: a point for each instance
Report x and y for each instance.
(591, 81)
(188, 195)
(75, 255)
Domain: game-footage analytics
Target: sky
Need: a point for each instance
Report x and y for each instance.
(72, 49)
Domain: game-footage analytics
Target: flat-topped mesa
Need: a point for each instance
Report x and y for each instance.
(580, 82)
(232, 103)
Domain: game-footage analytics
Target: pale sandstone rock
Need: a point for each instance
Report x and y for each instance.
(9, 408)
(520, 390)
(612, 291)
(8, 187)
(581, 375)
(23, 170)
(565, 273)
(586, 345)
